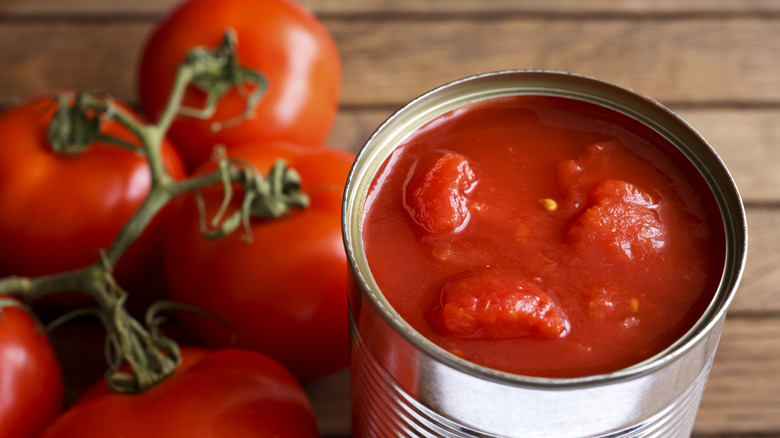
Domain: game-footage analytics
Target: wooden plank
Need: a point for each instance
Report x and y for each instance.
(567, 7)
(743, 391)
(79, 346)
(732, 403)
(348, 7)
(751, 154)
(353, 126)
(742, 394)
(759, 291)
(387, 62)
(330, 398)
(700, 61)
(714, 61)
(66, 55)
(746, 140)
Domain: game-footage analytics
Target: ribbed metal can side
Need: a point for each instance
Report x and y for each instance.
(386, 403)
(405, 386)
(382, 408)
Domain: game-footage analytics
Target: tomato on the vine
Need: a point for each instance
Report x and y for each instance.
(283, 294)
(227, 393)
(277, 38)
(31, 388)
(59, 210)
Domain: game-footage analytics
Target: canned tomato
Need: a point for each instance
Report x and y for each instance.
(537, 254)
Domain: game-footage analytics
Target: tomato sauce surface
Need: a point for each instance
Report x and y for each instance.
(543, 236)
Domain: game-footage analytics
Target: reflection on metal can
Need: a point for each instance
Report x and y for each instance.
(405, 385)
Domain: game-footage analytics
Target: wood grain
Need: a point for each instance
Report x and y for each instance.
(743, 136)
(714, 62)
(387, 62)
(65, 55)
(702, 61)
(750, 152)
(353, 7)
(759, 292)
(742, 394)
(746, 139)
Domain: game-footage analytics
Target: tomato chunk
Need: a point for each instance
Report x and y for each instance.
(622, 219)
(436, 199)
(491, 305)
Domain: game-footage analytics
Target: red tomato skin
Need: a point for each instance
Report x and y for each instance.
(285, 293)
(622, 220)
(31, 387)
(227, 393)
(278, 38)
(60, 210)
(490, 305)
(437, 200)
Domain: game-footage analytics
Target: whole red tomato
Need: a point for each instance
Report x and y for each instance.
(277, 38)
(283, 294)
(30, 377)
(222, 394)
(59, 210)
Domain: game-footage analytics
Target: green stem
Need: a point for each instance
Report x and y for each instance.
(210, 179)
(151, 356)
(149, 136)
(158, 197)
(33, 289)
(163, 188)
(118, 142)
(184, 76)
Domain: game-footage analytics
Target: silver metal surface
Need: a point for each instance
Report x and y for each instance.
(405, 386)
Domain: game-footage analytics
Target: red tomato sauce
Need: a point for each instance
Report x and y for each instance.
(543, 236)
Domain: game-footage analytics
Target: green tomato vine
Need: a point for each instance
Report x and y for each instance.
(151, 355)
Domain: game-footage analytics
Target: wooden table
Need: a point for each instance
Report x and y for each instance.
(715, 62)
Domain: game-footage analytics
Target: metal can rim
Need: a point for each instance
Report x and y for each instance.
(715, 173)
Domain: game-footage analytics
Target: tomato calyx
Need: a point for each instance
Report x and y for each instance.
(215, 72)
(272, 196)
(71, 130)
(77, 121)
(152, 355)
(75, 125)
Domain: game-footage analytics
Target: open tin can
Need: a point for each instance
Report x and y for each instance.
(404, 385)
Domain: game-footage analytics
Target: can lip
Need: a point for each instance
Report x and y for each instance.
(578, 86)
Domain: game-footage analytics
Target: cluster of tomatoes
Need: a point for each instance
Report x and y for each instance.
(282, 295)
